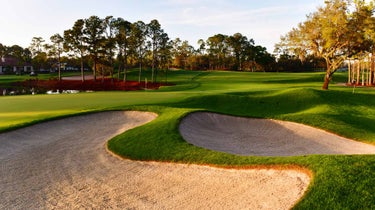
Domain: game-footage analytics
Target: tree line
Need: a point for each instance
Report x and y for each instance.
(341, 31)
(113, 45)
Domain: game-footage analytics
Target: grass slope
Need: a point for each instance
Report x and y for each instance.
(340, 182)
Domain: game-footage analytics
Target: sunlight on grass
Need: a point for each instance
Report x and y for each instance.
(340, 182)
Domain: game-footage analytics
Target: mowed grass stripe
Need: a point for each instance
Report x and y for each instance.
(340, 182)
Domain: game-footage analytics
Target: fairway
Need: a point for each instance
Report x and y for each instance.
(339, 181)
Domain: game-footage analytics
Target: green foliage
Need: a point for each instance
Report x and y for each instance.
(334, 33)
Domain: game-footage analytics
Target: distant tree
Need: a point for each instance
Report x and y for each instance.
(217, 50)
(22, 54)
(56, 49)
(2, 50)
(202, 46)
(177, 61)
(182, 53)
(40, 60)
(165, 51)
(36, 45)
(239, 46)
(39, 56)
(123, 33)
(156, 33)
(93, 31)
(137, 43)
(110, 42)
(75, 42)
(103, 40)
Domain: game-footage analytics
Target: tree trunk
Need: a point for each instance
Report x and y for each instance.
(372, 67)
(112, 71)
(94, 70)
(363, 73)
(125, 65)
(102, 72)
(152, 71)
(327, 79)
(82, 72)
(353, 72)
(140, 64)
(369, 71)
(349, 72)
(358, 72)
(112, 74)
(59, 67)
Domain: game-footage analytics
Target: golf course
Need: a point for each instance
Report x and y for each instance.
(161, 128)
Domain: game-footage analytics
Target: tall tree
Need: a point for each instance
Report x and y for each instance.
(36, 45)
(218, 50)
(94, 29)
(137, 42)
(155, 33)
(182, 51)
(239, 45)
(123, 32)
(56, 49)
(165, 51)
(110, 42)
(39, 56)
(75, 42)
(202, 46)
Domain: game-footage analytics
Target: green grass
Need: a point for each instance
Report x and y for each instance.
(339, 182)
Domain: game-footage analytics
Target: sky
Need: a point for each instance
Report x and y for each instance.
(262, 20)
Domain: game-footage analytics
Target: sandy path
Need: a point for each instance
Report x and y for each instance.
(262, 137)
(87, 77)
(63, 164)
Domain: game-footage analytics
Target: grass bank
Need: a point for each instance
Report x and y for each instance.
(340, 182)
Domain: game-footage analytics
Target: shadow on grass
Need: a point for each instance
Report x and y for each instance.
(334, 111)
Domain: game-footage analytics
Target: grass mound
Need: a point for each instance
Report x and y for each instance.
(340, 182)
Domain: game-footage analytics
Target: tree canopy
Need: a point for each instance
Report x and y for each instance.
(335, 32)
(108, 43)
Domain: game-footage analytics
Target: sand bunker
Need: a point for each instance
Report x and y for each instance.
(262, 137)
(63, 164)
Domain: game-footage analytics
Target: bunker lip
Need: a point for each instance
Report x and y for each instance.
(63, 164)
(264, 137)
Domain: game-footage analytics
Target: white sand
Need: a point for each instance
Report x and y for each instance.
(63, 164)
(262, 137)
